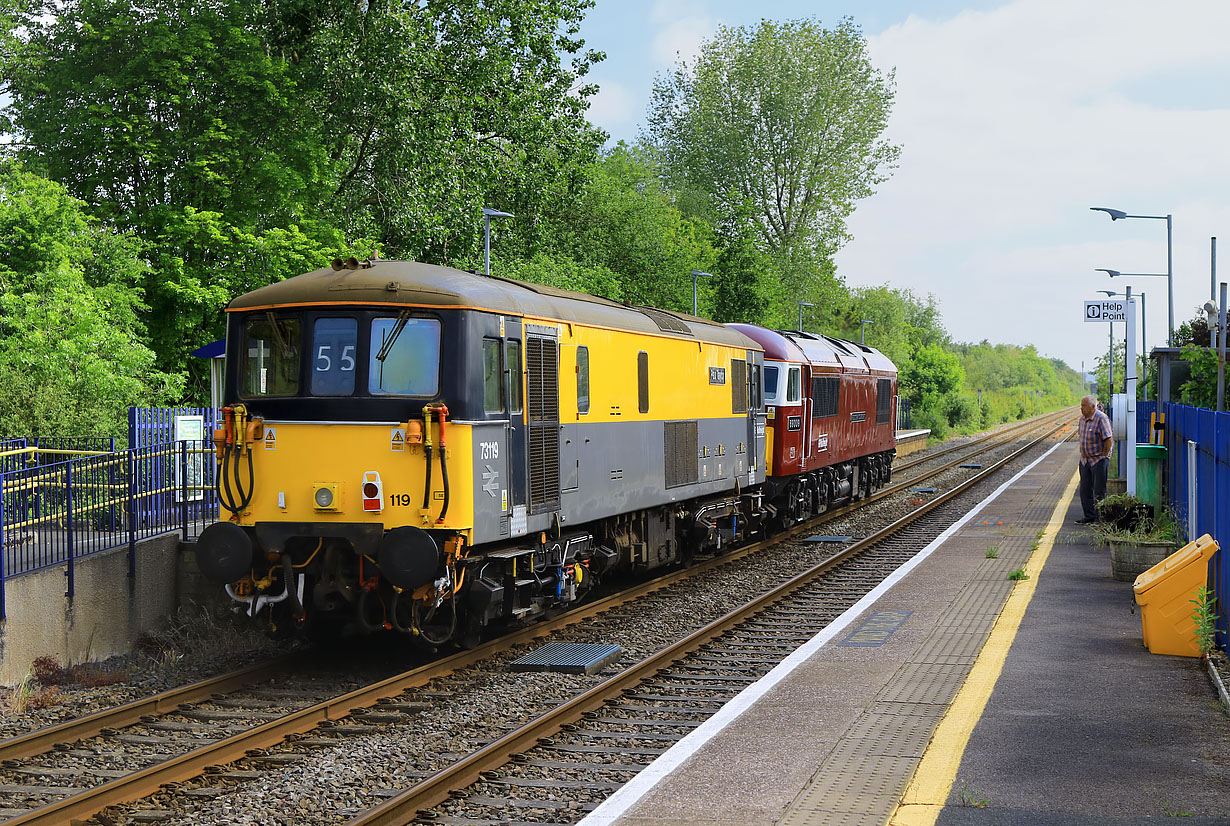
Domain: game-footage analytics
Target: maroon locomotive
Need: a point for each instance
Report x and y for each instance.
(831, 420)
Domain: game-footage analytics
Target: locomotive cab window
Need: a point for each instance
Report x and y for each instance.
(512, 362)
(770, 385)
(333, 356)
(493, 377)
(582, 380)
(405, 357)
(794, 385)
(270, 356)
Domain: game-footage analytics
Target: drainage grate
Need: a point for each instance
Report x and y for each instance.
(568, 657)
(828, 539)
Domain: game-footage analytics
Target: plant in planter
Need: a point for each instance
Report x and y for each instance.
(1137, 549)
(1124, 511)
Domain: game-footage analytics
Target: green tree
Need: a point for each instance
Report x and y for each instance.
(245, 141)
(786, 118)
(624, 222)
(71, 357)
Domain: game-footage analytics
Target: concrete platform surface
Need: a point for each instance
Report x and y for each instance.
(1081, 726)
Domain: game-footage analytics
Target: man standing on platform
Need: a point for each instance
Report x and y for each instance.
(1097, 439)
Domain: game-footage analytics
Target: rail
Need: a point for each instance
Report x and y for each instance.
(87, 501)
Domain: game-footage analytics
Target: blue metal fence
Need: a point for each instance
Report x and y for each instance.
(1211, 433)
(54, 512)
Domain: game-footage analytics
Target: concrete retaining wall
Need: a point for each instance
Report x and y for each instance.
(108, 611)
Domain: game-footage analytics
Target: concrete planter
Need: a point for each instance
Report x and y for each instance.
(1129, 560)
(1115, 487)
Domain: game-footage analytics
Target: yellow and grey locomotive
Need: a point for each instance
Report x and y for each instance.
(418, 448)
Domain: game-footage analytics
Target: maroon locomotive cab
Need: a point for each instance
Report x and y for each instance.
(831, 407)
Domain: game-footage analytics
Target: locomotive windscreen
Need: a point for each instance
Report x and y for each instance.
(347, 355)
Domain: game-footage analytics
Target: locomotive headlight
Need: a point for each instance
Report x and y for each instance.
(324, 496)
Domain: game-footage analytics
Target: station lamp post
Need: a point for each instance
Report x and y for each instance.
(803, 304)
(488, 214)
(863, 328)
(695, 275)
(1115, 215)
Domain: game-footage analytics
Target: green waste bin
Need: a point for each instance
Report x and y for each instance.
(1149, 461)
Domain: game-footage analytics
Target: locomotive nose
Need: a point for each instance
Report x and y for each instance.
(224, 552)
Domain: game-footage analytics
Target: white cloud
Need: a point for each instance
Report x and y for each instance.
(681, 27)
(613, 106)
(1015, 121)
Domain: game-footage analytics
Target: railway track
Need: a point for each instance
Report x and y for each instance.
(569, 760)
(52, 794)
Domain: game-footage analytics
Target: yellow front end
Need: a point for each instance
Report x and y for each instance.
(310, 472)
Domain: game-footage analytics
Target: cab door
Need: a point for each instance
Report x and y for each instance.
(517, 435)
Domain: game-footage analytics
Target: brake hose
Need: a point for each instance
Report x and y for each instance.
(427, 451)
(443, 413)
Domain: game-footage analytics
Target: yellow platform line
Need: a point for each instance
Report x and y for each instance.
(928, 791)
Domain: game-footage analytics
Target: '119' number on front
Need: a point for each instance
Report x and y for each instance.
(402, 499)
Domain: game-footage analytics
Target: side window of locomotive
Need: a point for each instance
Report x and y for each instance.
(582, 380)
(493, 377)
(794, 382)
(642, 381)
(512, 358)
(270, 357)
(757, 395)
(405, 357)
(770, 385)
(333, 356)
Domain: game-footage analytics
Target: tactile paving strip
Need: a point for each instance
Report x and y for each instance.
(862, 780)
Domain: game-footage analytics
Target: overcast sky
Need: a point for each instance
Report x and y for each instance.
(1015, 118)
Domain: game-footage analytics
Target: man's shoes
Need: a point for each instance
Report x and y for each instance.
(1085, 521)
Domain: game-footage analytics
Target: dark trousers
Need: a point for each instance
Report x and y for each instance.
(1093, 486)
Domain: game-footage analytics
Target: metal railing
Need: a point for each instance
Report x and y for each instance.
(55, 512)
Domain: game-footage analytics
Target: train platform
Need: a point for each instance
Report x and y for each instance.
(956, 696)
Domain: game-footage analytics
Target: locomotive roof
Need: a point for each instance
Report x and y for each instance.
(823, 351)
(411, 283)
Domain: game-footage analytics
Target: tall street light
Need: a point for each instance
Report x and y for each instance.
(488, 214)
(695, 275)
(863, 328)
(1115, 215)
(803, 304)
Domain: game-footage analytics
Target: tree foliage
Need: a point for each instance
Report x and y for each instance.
(785, 118)
(224, 145)
(248, 141)
(71, 360)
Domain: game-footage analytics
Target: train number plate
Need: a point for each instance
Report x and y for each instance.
(794, 423)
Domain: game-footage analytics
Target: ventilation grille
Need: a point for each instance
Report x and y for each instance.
(681, 449)
(738, 386)
(824, 396)
(884, 400)
(542, 362)
(542, 384)
(666, 322)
